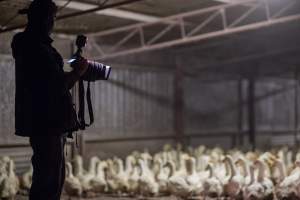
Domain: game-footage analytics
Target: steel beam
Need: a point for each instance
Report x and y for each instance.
(75, 14)
(124, 14)
(150, 37)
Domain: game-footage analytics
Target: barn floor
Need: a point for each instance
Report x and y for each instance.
(21, 197)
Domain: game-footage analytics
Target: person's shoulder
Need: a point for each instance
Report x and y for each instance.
(18, 38)
(18, 41)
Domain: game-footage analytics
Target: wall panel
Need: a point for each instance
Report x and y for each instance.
(133, 103)
(7, 100)
(210, 106)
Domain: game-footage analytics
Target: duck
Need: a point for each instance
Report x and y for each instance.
(148, 184)
(72, 185)
(253, 190)
(241, 161)
(162, 177)
(121, 176)
(133, 181)
(202, 162)
(112, 185)
(235, 182)
(268, 160)
(26, 179)
(264, 180)
(10, 184)
(182, 171)
(85, 178)
(278, 171)
(146, 157)
(212, 186)
(98, 183)
(288, 187)
(78, 167)
(177, 185)
(297, 182)
(3, 163)
(194, 179)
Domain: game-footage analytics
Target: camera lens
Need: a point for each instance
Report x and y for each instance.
(96, 71)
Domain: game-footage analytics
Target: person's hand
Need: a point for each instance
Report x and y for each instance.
(80, 66)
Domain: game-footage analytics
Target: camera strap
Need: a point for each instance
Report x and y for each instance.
(89, 103)
(81, 111)
(81, 105)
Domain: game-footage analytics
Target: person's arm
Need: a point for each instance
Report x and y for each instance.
(72, 77)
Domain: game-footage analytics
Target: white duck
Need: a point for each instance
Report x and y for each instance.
(278, 171)
(264, 180)
(112, 186)
(26, 179)
(212, 186)
(233, 187)
(288, 187)
(121, 176)
(254, 190)
(72, 184)
(177, 184)
(99, 183)
(162, 177)
(245, 165)
(10, 184)
(85, 178)
(194, 179)
(133, 181)
(148, 184)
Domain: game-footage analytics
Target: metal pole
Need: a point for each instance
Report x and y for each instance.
(75, 14)
(178, 103)
(240, 112)
(251, 112)
(296, 110)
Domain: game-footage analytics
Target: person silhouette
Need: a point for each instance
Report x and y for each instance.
(43, 105)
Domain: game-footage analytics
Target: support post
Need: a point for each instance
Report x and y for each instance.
(178, 103)
(296, 143)
(251, 113)
(240, 113)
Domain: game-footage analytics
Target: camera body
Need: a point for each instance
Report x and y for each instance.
(96, 71)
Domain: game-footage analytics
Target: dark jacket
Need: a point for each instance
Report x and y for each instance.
(42, 102)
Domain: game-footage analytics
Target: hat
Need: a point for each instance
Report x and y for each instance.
(40, 8)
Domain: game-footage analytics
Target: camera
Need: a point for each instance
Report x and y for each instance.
(96, 71)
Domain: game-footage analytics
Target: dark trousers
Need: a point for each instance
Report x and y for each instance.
(48, 163)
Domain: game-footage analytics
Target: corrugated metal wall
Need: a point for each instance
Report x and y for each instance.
(133, 102)
(134, 110)
(211, 110)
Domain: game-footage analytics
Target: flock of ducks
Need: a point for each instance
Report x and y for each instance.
(194, 173)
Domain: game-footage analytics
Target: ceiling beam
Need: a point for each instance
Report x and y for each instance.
(224, 1)
(75, 14)
(109, 12)
(183, 35)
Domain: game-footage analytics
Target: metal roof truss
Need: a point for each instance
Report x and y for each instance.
(194, 26)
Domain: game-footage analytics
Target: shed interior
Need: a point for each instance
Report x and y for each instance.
(197, 72)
